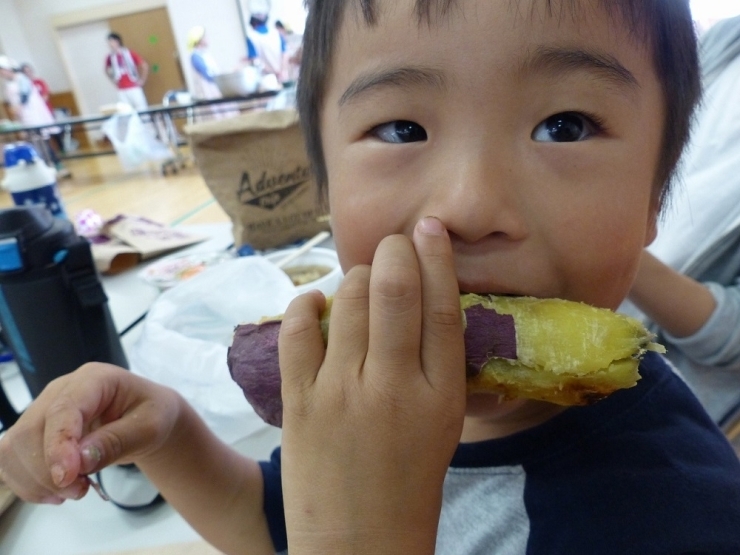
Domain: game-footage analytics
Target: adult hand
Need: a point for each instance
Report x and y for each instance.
(96, 416)
(370, 424)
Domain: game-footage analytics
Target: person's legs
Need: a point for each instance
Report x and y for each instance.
(50, 152)
(57, 138)
(134, 97)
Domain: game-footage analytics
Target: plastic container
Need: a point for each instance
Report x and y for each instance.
(53, 309)
(316, 269)
(29, 180)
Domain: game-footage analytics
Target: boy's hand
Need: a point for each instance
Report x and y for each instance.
(98, 415)
(370, 425)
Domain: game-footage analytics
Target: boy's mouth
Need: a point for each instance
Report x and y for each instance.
(490, 287)
(494, 293)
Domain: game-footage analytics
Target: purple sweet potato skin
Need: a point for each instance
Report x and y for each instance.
(487, 334)
(253, 364)
(253, 356)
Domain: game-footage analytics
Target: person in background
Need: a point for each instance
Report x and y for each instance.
(41, 85)
(127, 71)
(203, 64)
(28, 107)
(293, 54)
(266, 47)
(43, 88)
(688, 283)
(205, 70)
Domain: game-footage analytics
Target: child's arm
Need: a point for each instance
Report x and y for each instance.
(101, 415)
(370, 425)
(677, 303)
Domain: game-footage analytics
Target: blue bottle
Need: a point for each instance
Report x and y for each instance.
(29, 180)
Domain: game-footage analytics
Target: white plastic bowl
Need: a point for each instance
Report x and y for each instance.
(241, 82)
(318, 256)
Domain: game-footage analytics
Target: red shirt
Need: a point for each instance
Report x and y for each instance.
(43, 89)
(126, 81)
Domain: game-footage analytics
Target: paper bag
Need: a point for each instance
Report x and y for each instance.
(256, 167)
(125, 240)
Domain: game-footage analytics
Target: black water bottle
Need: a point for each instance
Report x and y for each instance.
(53, 310)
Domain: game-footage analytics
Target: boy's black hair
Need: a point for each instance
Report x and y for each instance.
(665, 26)
(116, 37)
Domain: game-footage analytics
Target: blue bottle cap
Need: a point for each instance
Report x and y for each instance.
(16, 152)
(10, 255)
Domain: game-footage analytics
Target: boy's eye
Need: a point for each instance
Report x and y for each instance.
(566, 127)
(399, 131)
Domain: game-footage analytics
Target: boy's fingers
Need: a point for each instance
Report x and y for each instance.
(300, 343)
(348, 332)
(105, 415)
(443, 350)
(395, 307)
(78, 403)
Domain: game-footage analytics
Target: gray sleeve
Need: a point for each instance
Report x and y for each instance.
(717, 343)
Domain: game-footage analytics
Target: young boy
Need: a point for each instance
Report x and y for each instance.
(514, 147)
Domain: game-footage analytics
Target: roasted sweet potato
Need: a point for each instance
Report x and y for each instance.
(520, 347)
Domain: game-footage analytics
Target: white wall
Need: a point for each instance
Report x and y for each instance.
(35, 23)
(291, 12)
(83, 45)
(223, 30)
(12, 37)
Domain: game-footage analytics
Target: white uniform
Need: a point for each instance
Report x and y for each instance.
(268, 48)
(23, 96)
(204, 70)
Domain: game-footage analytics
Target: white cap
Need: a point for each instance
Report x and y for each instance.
(7, 63)
(195, 35)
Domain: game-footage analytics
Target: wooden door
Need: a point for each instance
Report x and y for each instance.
(149, 34)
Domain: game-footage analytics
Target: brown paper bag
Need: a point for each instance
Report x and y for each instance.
(124, 241)
(256, 167)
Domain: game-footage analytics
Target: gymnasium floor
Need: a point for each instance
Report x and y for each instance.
(100, 184)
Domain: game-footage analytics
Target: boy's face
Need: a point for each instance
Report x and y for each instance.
(533, 137)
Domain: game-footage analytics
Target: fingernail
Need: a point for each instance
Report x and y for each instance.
(57, 474)
(52, 500)
(91, 456)
(431, 226)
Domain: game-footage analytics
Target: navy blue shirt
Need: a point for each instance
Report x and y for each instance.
(645, 471)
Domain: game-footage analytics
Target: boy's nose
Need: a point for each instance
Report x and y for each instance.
(477, 195)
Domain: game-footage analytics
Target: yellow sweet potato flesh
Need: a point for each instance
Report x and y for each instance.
(567, 352)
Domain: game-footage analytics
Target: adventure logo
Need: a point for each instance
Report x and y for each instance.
(269, 192)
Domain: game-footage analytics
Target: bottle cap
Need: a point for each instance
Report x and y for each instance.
(16, 152)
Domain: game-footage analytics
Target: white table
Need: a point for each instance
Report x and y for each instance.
(93, 526)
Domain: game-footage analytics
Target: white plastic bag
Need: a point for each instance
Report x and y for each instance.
(189, 328)
(133, 142)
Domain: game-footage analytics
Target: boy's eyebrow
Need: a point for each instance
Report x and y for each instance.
(556, 60)
(399, 77)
